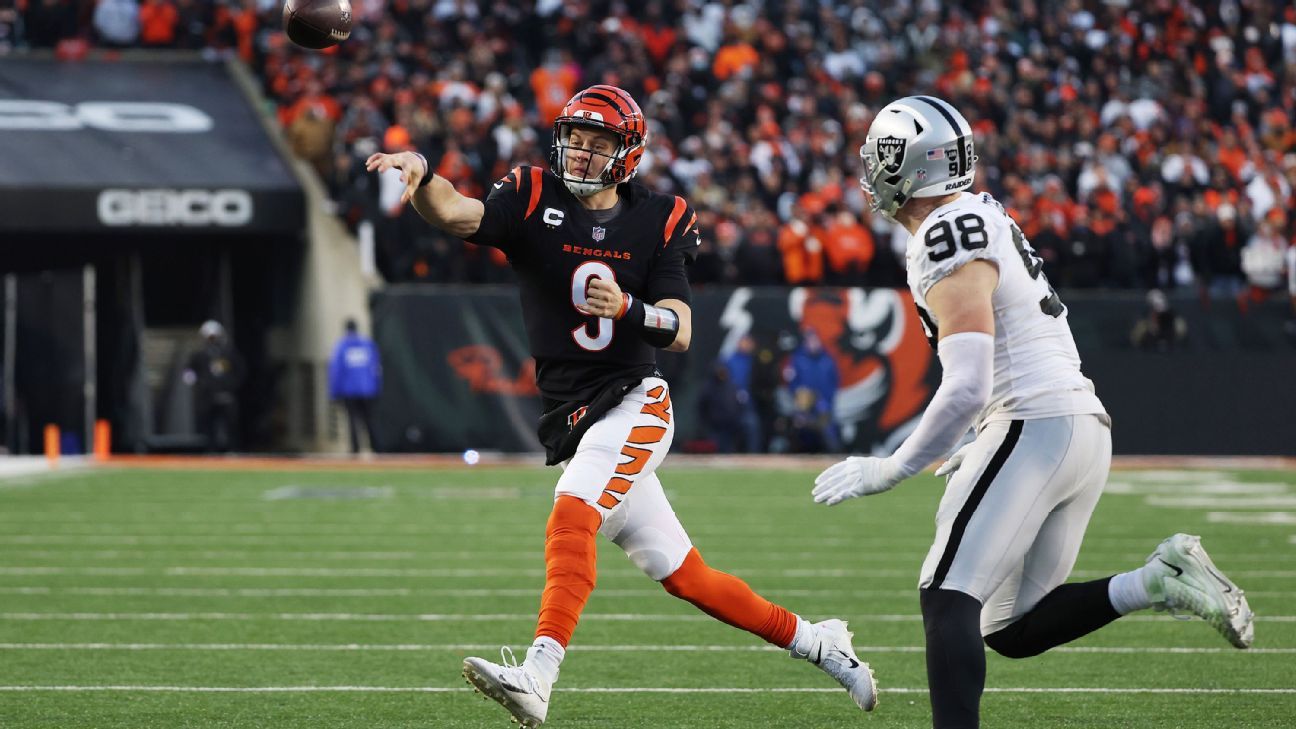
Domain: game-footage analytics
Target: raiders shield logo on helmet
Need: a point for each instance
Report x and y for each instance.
(891, 153)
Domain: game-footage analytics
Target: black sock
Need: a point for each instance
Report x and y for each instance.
(1066, 613)
(955, 657)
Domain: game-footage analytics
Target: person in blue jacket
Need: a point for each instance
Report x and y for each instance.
(355, 379)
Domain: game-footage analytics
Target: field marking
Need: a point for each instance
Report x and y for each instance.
(194, 570)
(1219, 488)
(236, 554)
(359, 592)
(638, 690)
(1266, 518)
(632, 648)
(469, 617)
(1223, 502)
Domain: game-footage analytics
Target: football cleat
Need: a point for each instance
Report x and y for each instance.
(516, 688)
(832, 652)
(1183, 579)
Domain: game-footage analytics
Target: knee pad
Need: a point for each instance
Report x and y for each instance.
(654, 552)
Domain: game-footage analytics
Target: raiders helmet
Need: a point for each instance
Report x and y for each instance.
(918, 146)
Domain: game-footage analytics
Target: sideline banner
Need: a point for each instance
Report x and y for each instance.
(458, 376)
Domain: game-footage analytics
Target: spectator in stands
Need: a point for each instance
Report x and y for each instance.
(117, 22)
(355, 380)
(158, 20)
(1218, 245)
(1263, 258)
(721, 410)
(1182, 100)
(741, 365)
(812, 382)
(215, 373)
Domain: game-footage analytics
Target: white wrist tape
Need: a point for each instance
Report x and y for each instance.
(967, 361)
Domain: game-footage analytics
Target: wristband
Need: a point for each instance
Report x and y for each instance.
(626, 299)
(656, 325)
(427, 170)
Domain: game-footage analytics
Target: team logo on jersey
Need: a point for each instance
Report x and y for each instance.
(891, 151)
(576, 416)
(598, 233)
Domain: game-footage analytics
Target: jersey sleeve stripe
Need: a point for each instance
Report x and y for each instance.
(537, 181)
(517, 179)
(673, 220)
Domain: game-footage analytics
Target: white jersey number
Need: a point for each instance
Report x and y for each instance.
(602, 337)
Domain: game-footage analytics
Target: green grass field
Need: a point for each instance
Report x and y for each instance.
(236, 598)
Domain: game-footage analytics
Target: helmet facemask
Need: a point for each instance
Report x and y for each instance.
(875, 176)
(918, 146)
(606, 167)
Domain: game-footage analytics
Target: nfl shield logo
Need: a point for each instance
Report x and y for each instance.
(599, 233)
(890, 152)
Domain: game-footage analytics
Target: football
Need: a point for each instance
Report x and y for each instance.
(317, 23)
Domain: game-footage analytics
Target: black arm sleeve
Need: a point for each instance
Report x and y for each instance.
(501, 223)
(669, 277)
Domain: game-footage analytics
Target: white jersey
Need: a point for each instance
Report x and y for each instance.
(1036, 367)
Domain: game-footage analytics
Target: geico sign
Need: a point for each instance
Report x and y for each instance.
(111, 116)
(229, 208)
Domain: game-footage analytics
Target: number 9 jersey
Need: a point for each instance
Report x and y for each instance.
(1036, 366)
(557, 246)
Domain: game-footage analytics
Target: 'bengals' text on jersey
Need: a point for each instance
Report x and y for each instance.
(557, 246)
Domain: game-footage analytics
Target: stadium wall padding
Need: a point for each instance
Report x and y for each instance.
(458, 374)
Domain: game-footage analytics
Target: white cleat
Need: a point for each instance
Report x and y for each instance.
(516, 688)
(832, 652)
(1186, 580)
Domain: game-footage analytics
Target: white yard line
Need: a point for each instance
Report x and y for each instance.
(583, 648)
(637, 690)
(466, 617)
(529, 592)
(194, 570)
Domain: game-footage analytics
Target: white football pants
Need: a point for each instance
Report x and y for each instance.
(614, 471)
(1009, 527)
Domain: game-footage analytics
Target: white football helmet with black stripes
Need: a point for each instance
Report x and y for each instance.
(918, 146)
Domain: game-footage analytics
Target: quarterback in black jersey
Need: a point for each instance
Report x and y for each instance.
(601, 263)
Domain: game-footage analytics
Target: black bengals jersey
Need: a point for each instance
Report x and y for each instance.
(556, 246)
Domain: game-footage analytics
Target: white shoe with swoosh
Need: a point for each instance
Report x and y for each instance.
(1187, 581)
(833, 653)
(522, 692)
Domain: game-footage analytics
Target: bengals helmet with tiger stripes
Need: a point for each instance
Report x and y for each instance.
(609, 109)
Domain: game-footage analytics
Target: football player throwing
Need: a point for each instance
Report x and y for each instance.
(601, 264)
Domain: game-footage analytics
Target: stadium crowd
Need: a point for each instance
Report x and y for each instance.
(1140, 145)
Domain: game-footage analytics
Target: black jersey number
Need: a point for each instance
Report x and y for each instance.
(971, 235)
(602, 336)
(1051, 304)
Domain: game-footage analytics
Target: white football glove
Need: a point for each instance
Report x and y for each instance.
(952, 464)
(856, 476)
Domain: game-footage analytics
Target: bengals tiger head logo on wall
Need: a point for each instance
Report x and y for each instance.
(881, 353)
